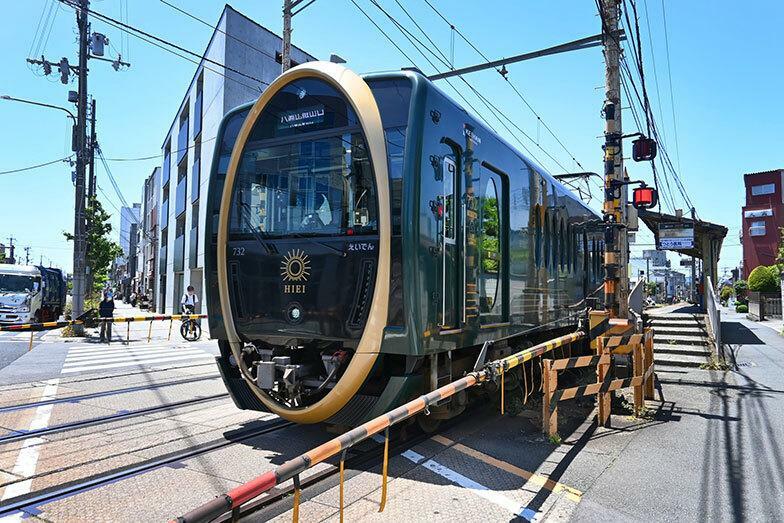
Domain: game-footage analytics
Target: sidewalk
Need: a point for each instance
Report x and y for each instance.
(710, 452)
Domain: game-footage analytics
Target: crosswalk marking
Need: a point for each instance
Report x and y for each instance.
(81, 360)
(87, 358)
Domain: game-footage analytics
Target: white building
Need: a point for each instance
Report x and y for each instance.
(241, 45)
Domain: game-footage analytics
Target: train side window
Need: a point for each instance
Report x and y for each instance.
(490, 248)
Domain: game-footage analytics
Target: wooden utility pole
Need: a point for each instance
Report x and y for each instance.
(616, 254)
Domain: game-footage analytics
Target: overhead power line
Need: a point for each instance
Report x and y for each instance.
(143, 35)
(31, 167)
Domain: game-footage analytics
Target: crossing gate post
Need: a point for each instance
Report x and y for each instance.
(549, 407)
(602, 374)
(638, 366)
(648, 356)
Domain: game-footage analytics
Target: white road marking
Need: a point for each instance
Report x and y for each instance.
(71, 360)
(70, 370)
(27, 459)
(480, 490)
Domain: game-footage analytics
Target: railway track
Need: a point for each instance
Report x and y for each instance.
(32, 500)
(54, 429)
(92, 395)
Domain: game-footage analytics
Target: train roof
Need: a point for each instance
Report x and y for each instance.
(418, 78)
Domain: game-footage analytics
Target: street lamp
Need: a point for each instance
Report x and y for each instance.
(70, 114)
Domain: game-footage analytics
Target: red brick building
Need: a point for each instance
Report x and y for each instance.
(763, 215)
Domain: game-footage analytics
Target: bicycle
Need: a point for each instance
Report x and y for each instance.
(190, 330)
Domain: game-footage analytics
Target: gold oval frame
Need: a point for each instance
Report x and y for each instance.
(359, 95)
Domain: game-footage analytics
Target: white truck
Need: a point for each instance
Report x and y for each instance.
(30, 294)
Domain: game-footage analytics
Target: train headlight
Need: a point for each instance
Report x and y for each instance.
(294, 313)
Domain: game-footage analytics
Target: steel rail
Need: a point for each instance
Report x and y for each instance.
(41, 498)
(75, 399)
(54, 429)
(294, 467)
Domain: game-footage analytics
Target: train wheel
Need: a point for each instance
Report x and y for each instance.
(428, 424)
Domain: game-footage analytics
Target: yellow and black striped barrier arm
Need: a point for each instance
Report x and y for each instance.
(45, 326)
(155, 317)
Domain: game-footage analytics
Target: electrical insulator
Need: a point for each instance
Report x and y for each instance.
(47, 68)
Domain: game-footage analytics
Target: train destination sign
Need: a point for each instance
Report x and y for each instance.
(675, 236)
(301, 117)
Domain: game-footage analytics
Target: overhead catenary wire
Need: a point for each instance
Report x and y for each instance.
(419, 46)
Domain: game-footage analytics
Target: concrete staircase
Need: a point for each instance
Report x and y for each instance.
(680, 340)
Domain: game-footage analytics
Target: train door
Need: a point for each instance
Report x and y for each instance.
(450, 256)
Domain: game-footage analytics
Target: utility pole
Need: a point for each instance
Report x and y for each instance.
(27, 255)
(285, 59)
(693, 286)
(80, 247)
(616, 281)
(647, 269)
(84, 149)
(11, 258)
(92, 145)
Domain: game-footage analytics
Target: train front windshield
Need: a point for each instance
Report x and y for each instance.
(305, 169)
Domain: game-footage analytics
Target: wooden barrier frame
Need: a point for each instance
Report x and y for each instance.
(641, 348)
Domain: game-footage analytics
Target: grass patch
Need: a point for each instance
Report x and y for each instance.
(555, 439)
(715, 364)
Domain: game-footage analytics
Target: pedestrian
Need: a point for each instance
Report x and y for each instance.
(189, 301)
(106, 310)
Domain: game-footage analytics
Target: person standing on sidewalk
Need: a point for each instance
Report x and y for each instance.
(106, 310)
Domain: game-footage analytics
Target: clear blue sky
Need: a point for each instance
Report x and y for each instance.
(726, 80)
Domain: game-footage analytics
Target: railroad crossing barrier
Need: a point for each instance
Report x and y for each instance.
(37, 327)
(152, 318)
(232, 500)
(50, 325)
(641, 348)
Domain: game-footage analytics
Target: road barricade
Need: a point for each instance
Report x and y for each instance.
(641, 348)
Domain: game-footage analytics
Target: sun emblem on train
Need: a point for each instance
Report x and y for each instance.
(295, 266)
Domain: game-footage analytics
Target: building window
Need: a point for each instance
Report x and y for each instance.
(761, 190)
(182, 136)
(181, 197)
(166, 164)
(757, 228)
(196, 173)
(197, 105)
(165, 207)
(193, 243)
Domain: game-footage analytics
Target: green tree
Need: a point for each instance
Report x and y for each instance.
(2, 255)
(101, 250)
(651, 288)
(764, 279)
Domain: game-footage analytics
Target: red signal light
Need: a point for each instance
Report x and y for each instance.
(643, 149)
(644, 197)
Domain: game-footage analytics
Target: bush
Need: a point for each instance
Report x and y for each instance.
(741, 308)
(726, 293)
(740, 287)
(764, 279)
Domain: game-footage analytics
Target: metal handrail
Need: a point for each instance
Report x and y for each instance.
(714, 316)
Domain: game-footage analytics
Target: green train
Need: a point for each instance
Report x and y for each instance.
(368, 235)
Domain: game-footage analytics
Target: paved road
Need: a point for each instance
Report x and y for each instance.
(15, 344)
